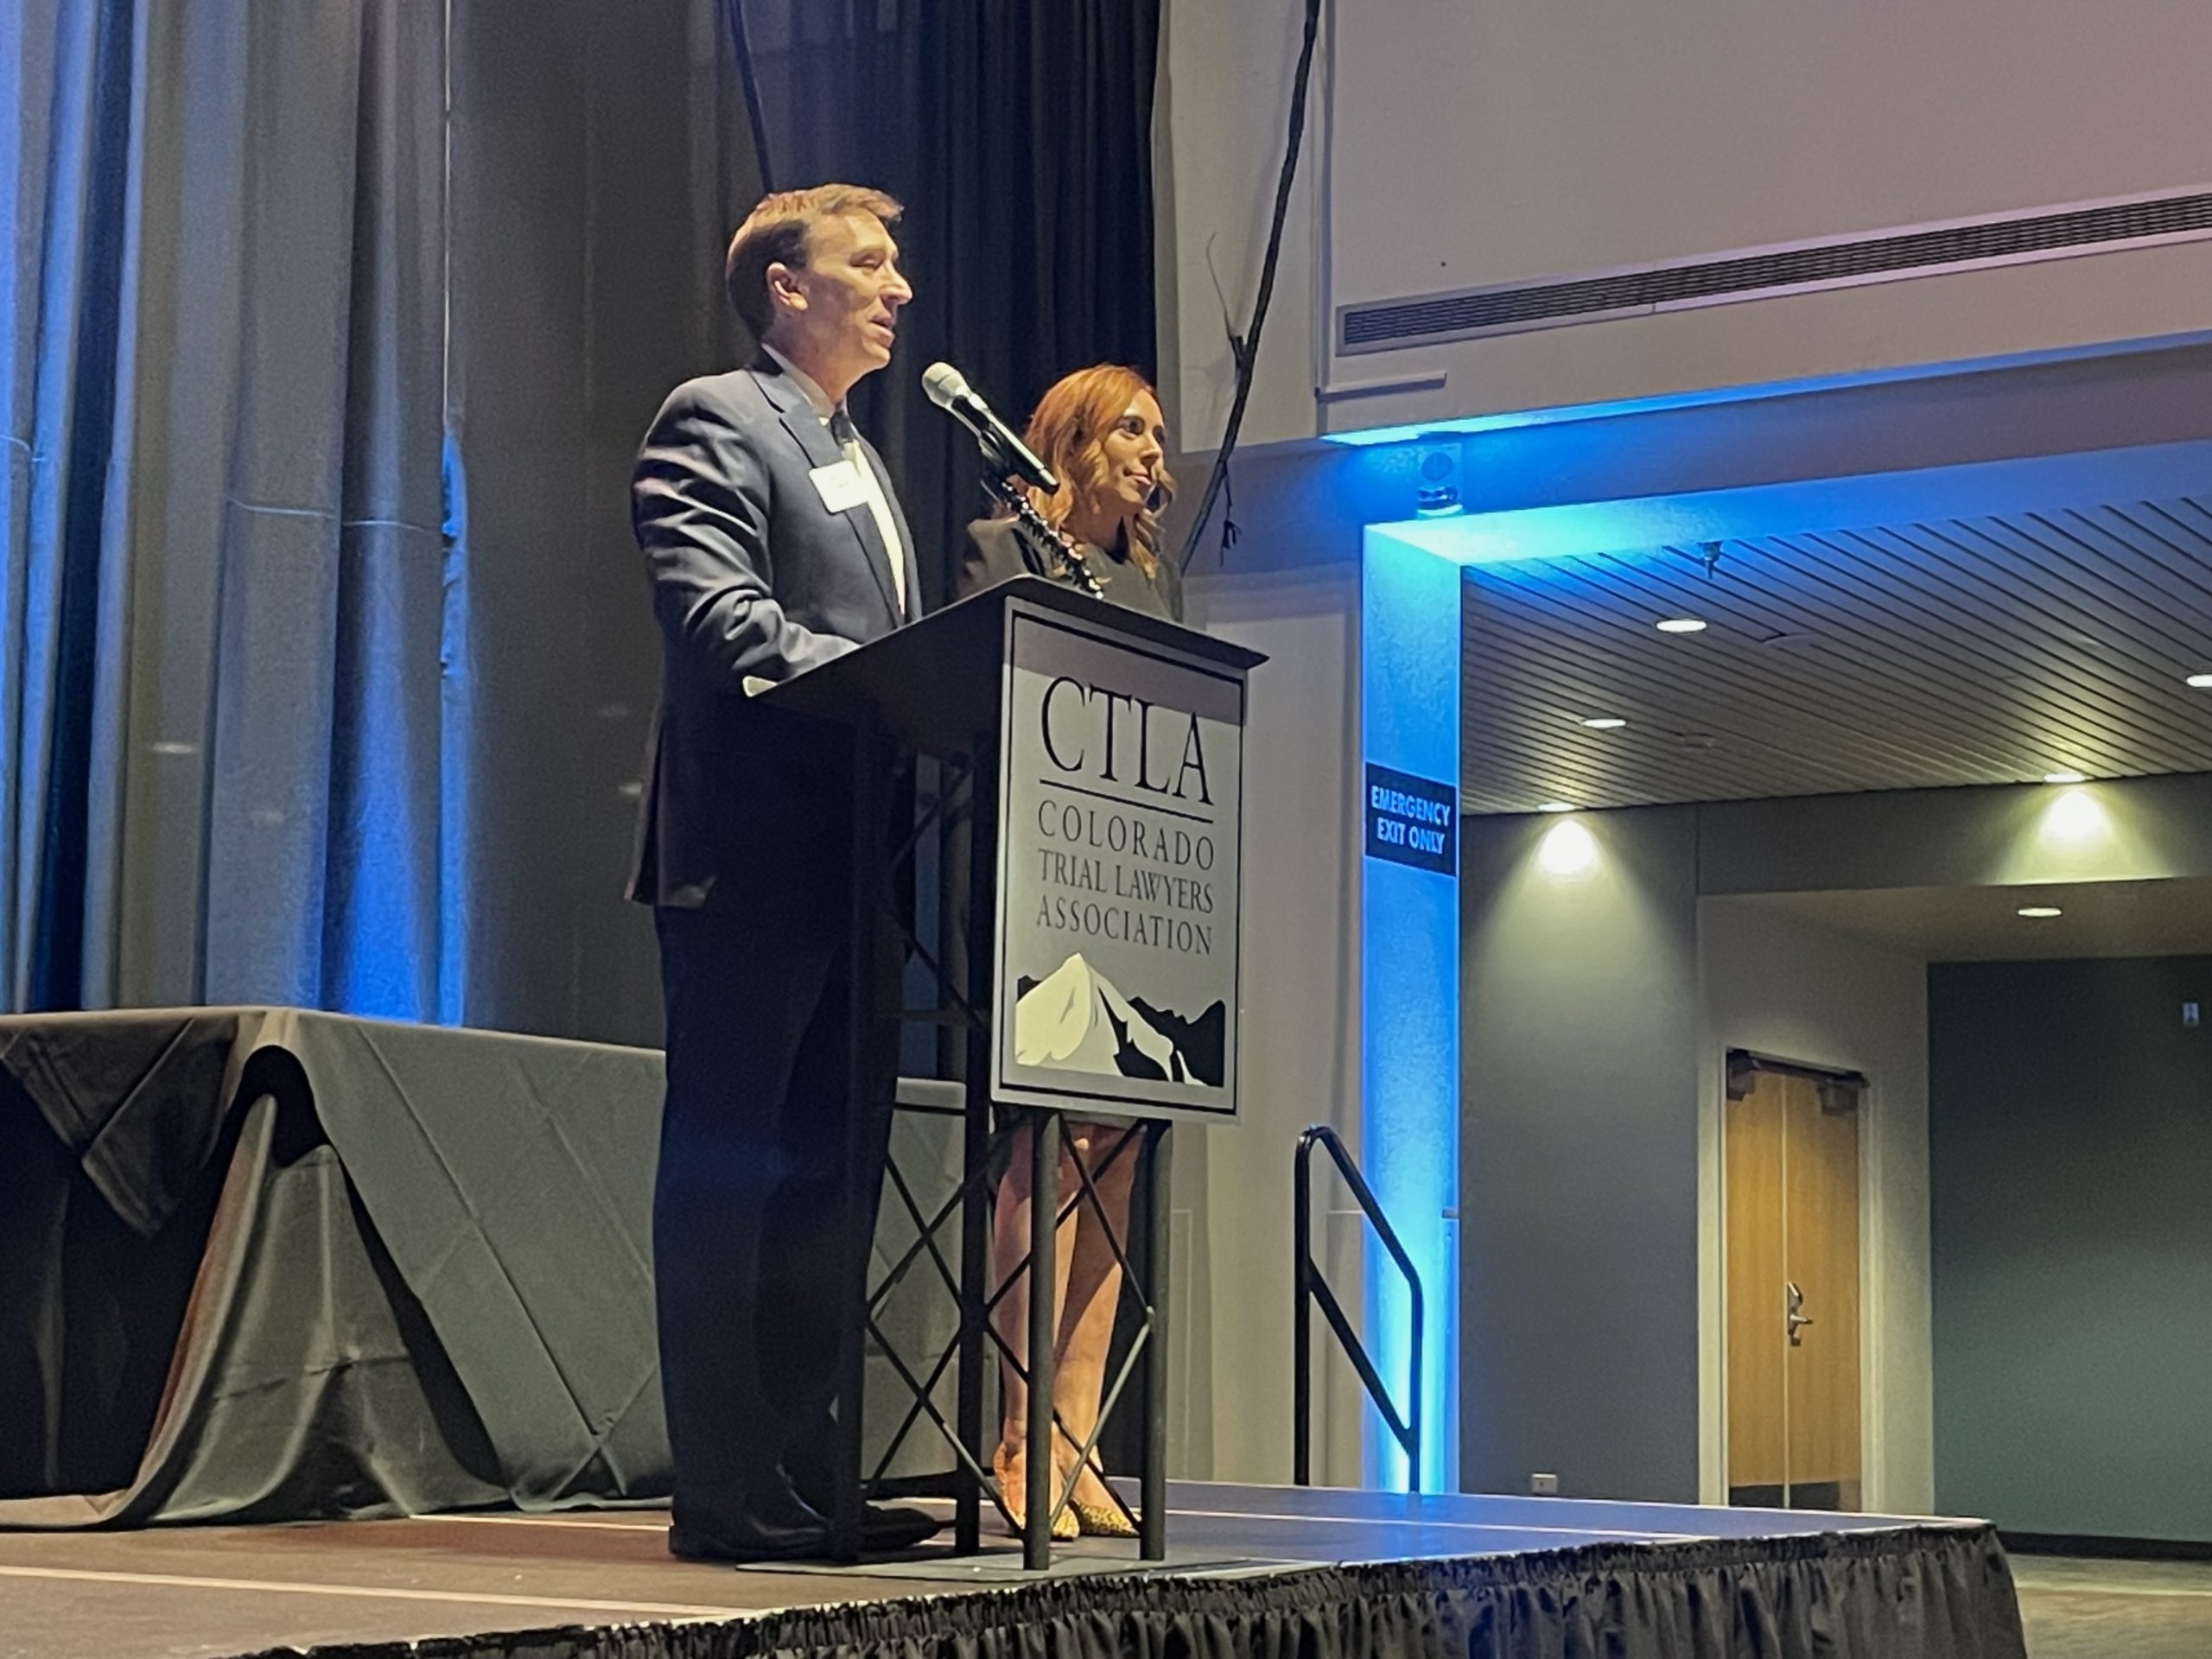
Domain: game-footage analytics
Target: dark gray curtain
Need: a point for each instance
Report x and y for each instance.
(330, 331)
(601, 154)
(1018, 136)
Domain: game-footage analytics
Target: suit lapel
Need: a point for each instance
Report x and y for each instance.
(797, 414)
(821, 449)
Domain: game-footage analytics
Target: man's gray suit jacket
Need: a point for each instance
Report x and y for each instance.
(752, 577)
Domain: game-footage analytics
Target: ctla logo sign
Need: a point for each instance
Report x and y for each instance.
(1125, 740)
(1120, 793)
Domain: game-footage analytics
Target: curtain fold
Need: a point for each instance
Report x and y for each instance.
(323, 727)
(325, 659)
(224, 509)
(64, 169)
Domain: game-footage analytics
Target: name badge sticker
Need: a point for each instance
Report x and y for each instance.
(839, 486)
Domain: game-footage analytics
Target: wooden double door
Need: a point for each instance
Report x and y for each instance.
(1790, 1157)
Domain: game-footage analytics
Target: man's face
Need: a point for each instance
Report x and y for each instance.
(843, 305)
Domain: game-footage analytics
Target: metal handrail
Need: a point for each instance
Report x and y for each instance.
(1312, 1286)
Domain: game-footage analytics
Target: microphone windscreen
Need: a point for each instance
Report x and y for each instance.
(945, 385)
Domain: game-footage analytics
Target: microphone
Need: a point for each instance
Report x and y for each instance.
(1002, 448)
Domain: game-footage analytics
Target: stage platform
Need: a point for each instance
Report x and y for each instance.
(1252, 1571)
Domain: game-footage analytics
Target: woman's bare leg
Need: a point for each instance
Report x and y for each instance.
(1009, 1244)
(1092, 1292)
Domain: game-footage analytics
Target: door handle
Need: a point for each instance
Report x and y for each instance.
(1794, 1317)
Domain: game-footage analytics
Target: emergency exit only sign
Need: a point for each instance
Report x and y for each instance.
(1413, 821)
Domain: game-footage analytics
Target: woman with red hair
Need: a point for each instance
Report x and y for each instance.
(1100, 431)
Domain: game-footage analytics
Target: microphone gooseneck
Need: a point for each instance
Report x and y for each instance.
(1004, 452)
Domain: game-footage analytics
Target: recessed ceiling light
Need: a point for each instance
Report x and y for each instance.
(1605, 723)
(2200, 682)
(1682, 625)
(1556, 806)
(2067, 776)
(2040, 913)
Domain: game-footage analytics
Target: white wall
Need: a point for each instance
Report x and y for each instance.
(1783, 988)
(1300, 1056)
(1220, 117)
(1521, 140)
(1451, 146)
(1610, 132)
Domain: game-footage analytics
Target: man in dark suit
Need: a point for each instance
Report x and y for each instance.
(774, 543)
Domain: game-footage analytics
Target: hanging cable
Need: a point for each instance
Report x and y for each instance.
(1245, 350)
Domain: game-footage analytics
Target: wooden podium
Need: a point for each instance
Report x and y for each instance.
(1098, 754)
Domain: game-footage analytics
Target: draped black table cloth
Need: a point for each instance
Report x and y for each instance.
(262, 1263)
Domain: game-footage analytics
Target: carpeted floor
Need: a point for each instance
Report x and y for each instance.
(2114, 1610)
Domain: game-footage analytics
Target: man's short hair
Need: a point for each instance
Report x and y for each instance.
(775, 232)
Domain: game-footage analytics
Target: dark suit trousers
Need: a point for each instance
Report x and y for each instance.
(754, 1275)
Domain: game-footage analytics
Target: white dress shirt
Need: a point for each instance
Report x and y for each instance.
(856, 457)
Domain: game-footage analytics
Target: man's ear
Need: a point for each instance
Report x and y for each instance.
(784, 284)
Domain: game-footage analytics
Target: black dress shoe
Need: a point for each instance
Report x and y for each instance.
(792, 1529)
(751, 1542)
(776, 1525)
(883, 1526)
(895, 1526)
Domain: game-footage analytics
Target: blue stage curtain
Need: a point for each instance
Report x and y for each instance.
(227, 568)
(330, 330)
(65, 83)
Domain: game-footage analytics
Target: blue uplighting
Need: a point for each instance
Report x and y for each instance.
(1800, 507)
(1509, 419)
(1409, 993)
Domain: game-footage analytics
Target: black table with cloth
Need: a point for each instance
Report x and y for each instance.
(261, 1263)
(268, 1264)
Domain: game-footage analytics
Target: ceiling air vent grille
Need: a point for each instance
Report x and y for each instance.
(1925, 251)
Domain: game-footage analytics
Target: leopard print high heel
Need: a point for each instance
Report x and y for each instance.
(1101, 1520)
(1011, 1472)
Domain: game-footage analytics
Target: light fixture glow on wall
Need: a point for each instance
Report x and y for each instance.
(2067, 776)
(1556, 806)
(1682, 625)
(2200, 682)
(2075, 816)
(1605, 723)
(1568, 850)
(2040, 913)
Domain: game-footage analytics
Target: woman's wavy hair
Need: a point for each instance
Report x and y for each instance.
(1068, 432)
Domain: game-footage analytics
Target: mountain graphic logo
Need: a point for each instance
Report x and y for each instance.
(1076, 1019)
